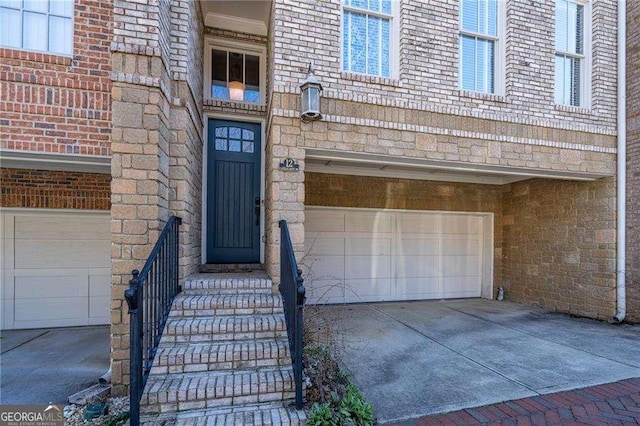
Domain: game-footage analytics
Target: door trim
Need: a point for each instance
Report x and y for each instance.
(205, 157)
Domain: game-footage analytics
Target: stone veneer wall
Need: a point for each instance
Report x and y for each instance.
(559, 245)
(157, 146)
(47, 189)
(633, 161)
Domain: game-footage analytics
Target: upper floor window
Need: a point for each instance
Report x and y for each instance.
(571, 53)
(367, 37)
(234, 73)
(479, 45)
(40, 25)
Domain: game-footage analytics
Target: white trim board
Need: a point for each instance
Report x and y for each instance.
(48, 161)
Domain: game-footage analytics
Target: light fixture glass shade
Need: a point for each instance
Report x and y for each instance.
(310, 92)
(236, 90)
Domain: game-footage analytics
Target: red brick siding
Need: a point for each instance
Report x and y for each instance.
(55, 189)
(52, 103)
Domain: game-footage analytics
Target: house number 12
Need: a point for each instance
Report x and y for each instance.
(289, 163)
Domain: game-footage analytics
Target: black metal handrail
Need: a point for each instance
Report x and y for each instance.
(293, 296)
(149, 296)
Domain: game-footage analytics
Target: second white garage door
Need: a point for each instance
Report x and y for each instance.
(363, 255)
(56, 268)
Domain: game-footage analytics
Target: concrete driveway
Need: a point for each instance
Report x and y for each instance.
(42, 366)
(417, 358)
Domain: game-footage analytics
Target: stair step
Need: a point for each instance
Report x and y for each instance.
(230, 283)
(198, 305)
(254, 415)
(180, 392)
(236, 327)
(231, 268)
(193, 357)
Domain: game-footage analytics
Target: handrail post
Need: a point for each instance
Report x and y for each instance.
(133, 296)
(300, 296)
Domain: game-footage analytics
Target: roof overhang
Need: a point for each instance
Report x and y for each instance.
(48, 161)
(245, 16)
(363, 164)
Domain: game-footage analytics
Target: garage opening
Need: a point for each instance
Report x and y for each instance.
(372, 255)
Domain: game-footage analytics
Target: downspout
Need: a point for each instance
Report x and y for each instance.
(621, 183)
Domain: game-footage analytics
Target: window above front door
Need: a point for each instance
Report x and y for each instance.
(234, 72)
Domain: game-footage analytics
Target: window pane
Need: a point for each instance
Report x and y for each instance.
(252, 94)
(492, 18)
(219, 90)
(468, 63)
(346, 31)
(41, 6)
(10, 27)
(373, 45)
(559, 81)
(234, 132)
(60, 35)
(252, 70)
(359, 3)
(13, 4)
(236, 67)
(575, 81)
(358, 42)
(34, 31)
(247, 146)
(221, 144)
(221, 132)
(374, 5)
(248, 135)
(469, 15)
(61, 8)
(219, 65)
(579, 31)
(562, 19)
(386, 6)
(485, 63)
(386, 49)
(234, 146)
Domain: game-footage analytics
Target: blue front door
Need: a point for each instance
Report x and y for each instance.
(233, 192)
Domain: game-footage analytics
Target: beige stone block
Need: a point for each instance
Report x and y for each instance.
(123, 186)
(426, 142)
(605, 236)
(134, 227)
(570, 156)
(126, 114)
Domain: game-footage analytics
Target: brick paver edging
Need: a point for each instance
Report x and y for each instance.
(609, 404)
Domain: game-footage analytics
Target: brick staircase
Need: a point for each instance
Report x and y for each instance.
(223, 357)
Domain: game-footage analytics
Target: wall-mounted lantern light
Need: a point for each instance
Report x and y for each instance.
(310, 91)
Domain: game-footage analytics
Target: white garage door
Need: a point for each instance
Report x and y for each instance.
(363, 255)
(55, 268)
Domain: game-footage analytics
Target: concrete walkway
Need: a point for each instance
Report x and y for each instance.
(611, 404)
(44, 366)
(418, 358)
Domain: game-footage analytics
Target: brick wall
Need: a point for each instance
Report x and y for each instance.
(560, 245)
(54, 189)
(427, 78)
(633, 161)
(60, 104)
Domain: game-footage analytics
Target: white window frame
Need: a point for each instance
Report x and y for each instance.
(585, 69)
(499, 40)
(48, 14)
(393, 37)
(217, 43)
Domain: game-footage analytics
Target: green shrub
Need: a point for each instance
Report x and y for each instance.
(321, 415)
(354, 409)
